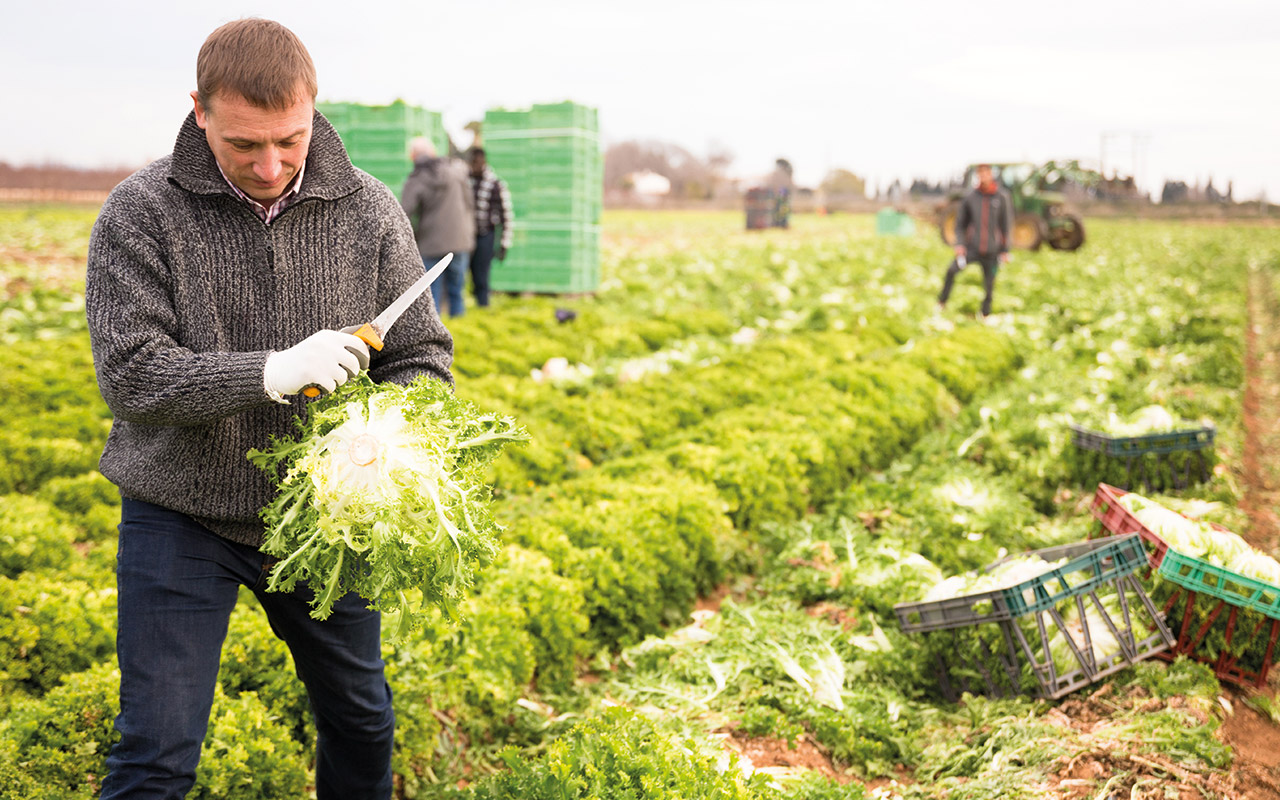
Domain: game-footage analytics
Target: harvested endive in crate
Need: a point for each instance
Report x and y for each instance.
(383, 493)
(1199, 539)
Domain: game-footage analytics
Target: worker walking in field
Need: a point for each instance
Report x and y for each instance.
(984, 225)
(493, 213)
(221, 282)
(437, 197)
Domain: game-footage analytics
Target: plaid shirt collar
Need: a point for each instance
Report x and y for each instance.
(268, 213)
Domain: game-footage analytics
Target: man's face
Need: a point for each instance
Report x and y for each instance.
(477, 164)
(984, 175)
(259, 149)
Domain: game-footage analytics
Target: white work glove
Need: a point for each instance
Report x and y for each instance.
(325, 359)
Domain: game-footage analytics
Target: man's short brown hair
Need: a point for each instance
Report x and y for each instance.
(258, 59)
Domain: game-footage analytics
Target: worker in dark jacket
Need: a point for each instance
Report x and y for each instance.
(984, 225)
(493, 213)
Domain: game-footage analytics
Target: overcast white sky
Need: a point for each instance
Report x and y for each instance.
(887, 89)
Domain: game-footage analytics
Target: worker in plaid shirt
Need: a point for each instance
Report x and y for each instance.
(493, 211)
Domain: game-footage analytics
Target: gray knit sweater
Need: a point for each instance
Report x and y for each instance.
(187, 294)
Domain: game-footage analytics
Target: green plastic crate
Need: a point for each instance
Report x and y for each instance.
(894, 223)
(1200, 576)
(574, 144)
(377, 137)
(550, 258)
(498, 119)
(544, 281)
(549, 205)
(584, 178)
(564, 115)
(550, 157)
(398, 114)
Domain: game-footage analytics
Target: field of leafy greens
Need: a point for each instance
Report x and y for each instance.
(745, 449)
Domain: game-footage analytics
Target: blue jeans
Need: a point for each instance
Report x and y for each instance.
(177, 584)
(481, 263)
(451, 283)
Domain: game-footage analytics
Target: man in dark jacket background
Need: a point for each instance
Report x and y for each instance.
(984, 225)
(493, 213)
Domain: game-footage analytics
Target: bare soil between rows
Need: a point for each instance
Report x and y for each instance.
(1261, 458)
(1253, 737)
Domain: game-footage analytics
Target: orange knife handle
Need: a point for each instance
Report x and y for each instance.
(370, 336)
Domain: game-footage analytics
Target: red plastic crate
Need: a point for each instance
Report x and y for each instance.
(1117, 521)
(1225, 666)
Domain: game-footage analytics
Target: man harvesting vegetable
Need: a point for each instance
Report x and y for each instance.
(219, 280)
(984, 224)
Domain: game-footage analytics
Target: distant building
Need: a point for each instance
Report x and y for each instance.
(649, 184)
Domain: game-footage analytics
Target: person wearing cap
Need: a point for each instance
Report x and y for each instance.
(984, 225)
(220, 281)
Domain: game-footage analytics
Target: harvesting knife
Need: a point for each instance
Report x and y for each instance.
(372, 332)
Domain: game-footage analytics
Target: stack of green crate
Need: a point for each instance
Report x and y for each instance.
(550, 158)
(377, 137)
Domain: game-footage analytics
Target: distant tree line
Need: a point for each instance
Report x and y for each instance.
(1099, 189)
(692, 177)
(60, 177)
(1180, 192)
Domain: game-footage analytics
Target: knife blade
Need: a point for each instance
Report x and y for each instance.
(373, 332)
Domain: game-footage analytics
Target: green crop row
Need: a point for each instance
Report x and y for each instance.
(598, 558)
(732, 387)
(980, 486)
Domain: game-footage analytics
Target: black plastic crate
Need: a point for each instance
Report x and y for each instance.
(1175, 459)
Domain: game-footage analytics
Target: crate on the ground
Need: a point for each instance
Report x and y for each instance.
(1201, 576)
(1245, 661)
(1174, 459)
(1243, 653)
(891, 222)
(1088, 565)
(1185, 583)
(1002, 642)
(1118, 520)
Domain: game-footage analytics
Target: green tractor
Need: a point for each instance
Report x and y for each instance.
(1040, 213)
